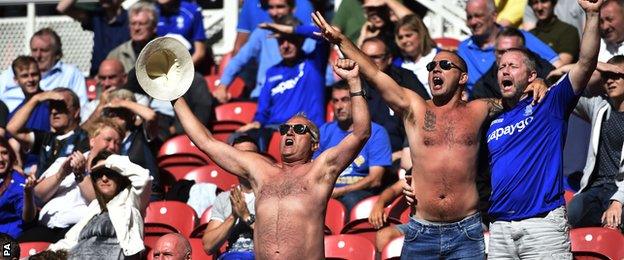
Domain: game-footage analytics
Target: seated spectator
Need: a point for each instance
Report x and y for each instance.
(600, 199)
(381, 113)
(294, 85)
(16, 197)
(362, 178)
(65, 136)
(611, 30)
(261, 47)
(560, 36)
(172, 246)
(112, 227)
(183, 18)
(46, 48)
(108, 22)
(49, 255)
(417, 48)
(507, 38)
(379, 24)
(143, 21)
(65, 189)
(10, 247)
(140, 126)
(233, 215)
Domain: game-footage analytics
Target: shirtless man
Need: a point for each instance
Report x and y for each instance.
(291, 196)
(443, 135)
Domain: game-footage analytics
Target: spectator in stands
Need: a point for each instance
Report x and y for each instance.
(568, 11)
(362, 178)
(112, 226)
(381, 113)
(172, 246)
(10, 247)
(349, 18)
(255, 12)
(288, 190)
(507, 39)
(27, 77)
(294, 85)
(46, 48)
(379, 23)
(261, 47)
(478, 50)
(108, 22)
(534, 205)
(417, 48)
(49, 255)
(611, 30)
(184, 19)
(17, 204)
(143, 22)
(510, 12)
(65, 188)
(560, 36)
(141, 128)
(65, 136)
(600, 199)
(233, 215)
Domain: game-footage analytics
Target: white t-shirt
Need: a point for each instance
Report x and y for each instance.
(419, 68)
(608, 51)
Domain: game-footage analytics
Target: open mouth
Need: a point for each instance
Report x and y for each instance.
(507, 84)
(289, 142)
(437, 81)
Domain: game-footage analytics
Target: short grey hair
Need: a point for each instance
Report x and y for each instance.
(145, 6)
(491, 7)
(314, 131)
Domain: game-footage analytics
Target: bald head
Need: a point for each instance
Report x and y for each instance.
(172, 246)
(111, 74)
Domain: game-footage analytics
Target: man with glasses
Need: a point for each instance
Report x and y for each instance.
(290, 196)
(362, 178)
(443, 136)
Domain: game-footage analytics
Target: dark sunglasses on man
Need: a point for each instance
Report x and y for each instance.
(299, 129)
(444, 64)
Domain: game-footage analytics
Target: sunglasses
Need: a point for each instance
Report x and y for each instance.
(444, 64)
(111, 174)
(299, 129)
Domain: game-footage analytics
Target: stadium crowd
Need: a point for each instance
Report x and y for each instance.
(361, 127)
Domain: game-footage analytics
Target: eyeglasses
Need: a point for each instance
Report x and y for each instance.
(444, 64)
(299, 129)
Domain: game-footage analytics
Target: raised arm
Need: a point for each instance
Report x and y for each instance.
(241, 163)
(590, 45)
(397, 97)
(336, 159)
(15, 126)
(67, 7)
(395, 6)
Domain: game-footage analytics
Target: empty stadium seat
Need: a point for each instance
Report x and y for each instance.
(203, 223)
(349, 247)
(173, 213)
(363, 208)
(180, 149)
(597, 242)
(91, 88)
(242, 111)
(393, 249)
(335, 216)
(213, 174)
(274, 146)
(235, 89)
(30, 248)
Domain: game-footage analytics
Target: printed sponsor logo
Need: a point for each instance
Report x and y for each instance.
(510, 129)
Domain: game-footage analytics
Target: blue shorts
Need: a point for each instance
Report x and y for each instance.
(436, 240)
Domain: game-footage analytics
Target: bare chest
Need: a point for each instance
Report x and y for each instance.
(451, 129)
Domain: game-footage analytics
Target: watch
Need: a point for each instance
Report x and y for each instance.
(249, 221)
(362, 93)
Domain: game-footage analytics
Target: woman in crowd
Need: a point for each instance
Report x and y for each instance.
(16, 194)
(113, 225)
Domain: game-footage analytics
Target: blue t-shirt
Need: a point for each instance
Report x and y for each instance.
(106, 36)
(187, 21)
(376, 151)
(11, 205)
(526, 155)
(289, 90)
(39, 118)
(252, 14)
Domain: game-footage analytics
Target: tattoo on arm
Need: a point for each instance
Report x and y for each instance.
(495, 106)
(430, 121)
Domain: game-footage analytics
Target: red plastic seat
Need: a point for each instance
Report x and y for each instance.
(447, 43)
(274, 147)
(180, 149)
(596, 242)
(365, 229)
(335, 216)
(349, 247)
(568, 195)
(242, 111)
(363, 208)
(213, 174)
(329, 115)
(173, 213)
(30, 248)
(203, 223)
(235, 89)
(393, 249)
(197, 248)
(91, 88)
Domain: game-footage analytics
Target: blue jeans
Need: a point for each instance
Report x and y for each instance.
(587, 207)
(237, 256)
(435, 240)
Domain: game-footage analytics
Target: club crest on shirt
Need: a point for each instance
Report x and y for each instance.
(359, 160)
(528, 110)
(180, 22)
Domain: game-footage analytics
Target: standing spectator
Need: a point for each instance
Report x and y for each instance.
(349, 18)
(178, 17)
(560, 36)
(611, 30)
(112, 226)
(362, 178)
(108, 22)
(568, 11)
(478, 50)
(172, 246)
(27, 76)
(46, 48)
(17, 204)
(65, 136)
(143, 21)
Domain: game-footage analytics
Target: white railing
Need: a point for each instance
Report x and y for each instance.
(446, 18)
